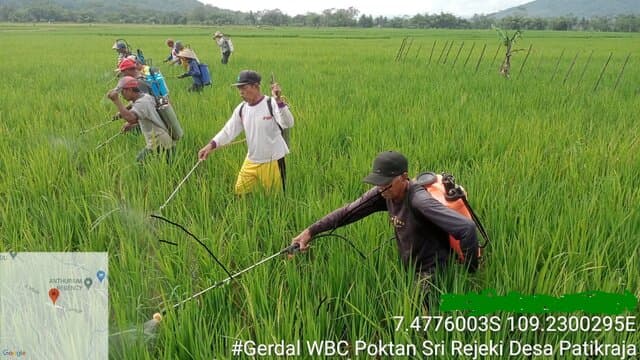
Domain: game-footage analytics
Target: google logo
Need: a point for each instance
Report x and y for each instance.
(12, 353)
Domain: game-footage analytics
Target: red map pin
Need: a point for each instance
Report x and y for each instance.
(53, 294)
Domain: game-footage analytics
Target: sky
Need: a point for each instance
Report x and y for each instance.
(462, 8)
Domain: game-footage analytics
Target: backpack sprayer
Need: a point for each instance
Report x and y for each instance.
(444, 189)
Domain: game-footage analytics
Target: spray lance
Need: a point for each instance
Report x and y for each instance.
(96, 127)
(175, 191)
(108, 140)
(151, 325)
(157, 317)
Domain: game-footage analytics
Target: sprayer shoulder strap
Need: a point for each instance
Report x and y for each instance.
(269, 105)
(410, 192)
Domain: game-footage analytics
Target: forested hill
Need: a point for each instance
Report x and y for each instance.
(117, 11)
(101, 6)
(559, 15)
(578, 8)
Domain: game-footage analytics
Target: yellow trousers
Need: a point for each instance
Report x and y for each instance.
(268, 176)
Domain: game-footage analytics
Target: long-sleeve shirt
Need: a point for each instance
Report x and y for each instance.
(422, 225)
(264, 137)
(223, 44)
(194, 71)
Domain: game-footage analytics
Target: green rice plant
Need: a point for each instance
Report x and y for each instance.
(551, 168)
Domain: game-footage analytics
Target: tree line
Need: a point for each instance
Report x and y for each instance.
(351, 17)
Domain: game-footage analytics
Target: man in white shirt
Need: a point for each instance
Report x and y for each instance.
(263, 120)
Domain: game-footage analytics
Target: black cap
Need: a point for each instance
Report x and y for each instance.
(386, 166)
(247, 77)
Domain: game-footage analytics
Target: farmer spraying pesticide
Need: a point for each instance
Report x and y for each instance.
(198, 72)
(262, 119)
(421, 223)
(173, 54)
(143, 111)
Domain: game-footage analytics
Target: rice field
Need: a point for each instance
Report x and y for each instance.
(549, 159)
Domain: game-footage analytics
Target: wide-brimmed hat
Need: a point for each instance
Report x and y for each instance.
(188, 53)
(217, 34)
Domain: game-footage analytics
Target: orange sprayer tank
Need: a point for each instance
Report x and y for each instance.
(435, 186)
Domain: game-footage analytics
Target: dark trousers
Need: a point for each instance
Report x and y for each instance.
(225, 57)
(283, 172)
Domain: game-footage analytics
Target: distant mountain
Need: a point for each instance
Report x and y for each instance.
(181, 6)
(579, 8)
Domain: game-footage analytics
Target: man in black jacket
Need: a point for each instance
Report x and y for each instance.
(422, 224)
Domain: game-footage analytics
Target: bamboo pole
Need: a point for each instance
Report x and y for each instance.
(566, 76)
(480, 58)
(458, 54)
(602, 72)
(442, 52)
(448, 51)
(432, 48)
(525, 60)
(586, 65)
(622, 70)
(557, 65)
(469, 56)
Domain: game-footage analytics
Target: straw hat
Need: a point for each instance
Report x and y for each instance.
(187, 53)
(217, 34)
